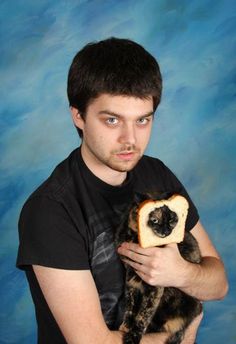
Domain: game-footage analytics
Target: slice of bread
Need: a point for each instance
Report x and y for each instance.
(147, 238)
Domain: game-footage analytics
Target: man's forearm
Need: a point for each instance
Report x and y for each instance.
(205, 281)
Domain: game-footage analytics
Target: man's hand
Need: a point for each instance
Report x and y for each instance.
(157, 266)
(191, 332)
(164, 266)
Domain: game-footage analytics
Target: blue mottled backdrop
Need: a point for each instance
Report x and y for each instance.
(194, 42)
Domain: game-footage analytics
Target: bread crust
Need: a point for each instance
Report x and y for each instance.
(146, 237)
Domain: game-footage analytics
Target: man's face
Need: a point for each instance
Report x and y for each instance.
(116, 131)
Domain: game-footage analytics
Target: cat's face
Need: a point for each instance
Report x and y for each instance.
(162, 221)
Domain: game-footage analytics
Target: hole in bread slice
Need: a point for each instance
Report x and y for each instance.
(149, 234)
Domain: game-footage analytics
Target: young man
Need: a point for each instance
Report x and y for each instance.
(67, 225)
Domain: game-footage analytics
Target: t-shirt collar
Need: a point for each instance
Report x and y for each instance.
(99, 183)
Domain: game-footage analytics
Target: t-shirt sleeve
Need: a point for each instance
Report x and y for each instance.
(49, 237)
(176, 186)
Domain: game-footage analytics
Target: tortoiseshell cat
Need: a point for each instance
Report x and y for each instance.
(156, 309)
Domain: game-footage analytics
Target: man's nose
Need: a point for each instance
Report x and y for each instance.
(128, 134)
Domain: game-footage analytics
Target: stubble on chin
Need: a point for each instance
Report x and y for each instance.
(123, 166)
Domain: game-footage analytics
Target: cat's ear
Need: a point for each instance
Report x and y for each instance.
(139, 197)
(159, 195)
(153, 195)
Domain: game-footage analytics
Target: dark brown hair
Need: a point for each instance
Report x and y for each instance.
(114, 66)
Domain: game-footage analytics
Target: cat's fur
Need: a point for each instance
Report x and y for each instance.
(156, 309)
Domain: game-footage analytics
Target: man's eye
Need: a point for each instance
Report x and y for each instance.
(143, 121)
(112, 120)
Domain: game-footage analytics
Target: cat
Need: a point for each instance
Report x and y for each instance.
(149, 308)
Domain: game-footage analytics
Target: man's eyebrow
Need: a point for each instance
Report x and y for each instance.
(111, 113)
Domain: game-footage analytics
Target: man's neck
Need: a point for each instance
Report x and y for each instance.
(103, 172)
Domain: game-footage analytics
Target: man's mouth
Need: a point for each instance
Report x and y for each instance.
(125, 155)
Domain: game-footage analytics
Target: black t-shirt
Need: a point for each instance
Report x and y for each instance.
(69, 222)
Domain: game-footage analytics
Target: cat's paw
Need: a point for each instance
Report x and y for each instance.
(176, 338)
(123, 328)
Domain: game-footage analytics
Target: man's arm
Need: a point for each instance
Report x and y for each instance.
(73, 299)
(205, 281)
(164, 266)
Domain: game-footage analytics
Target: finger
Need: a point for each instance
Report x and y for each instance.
(138, 249)
(146, 278)
(173, 244)
(136, 257)
(139, 268)
(133, 247)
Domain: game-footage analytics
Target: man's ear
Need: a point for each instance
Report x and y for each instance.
(77, 118)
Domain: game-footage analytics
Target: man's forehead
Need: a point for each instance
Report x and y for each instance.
(119, 115)
(118, 104)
